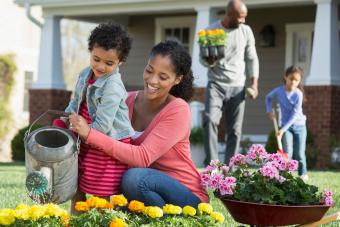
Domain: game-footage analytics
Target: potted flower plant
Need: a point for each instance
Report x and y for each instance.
(260, 189)
(212, 44)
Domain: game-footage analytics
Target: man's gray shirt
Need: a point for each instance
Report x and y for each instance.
(240, 57)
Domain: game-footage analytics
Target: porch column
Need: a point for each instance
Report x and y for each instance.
(205, 16)
(48, 92)
(325, 67)
(323, 83)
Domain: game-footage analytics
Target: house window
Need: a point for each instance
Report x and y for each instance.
(181, 29)
(28, 83)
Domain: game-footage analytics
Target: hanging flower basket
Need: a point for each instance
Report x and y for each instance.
(273, 215)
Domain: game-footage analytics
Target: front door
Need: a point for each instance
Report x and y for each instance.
(299, 40)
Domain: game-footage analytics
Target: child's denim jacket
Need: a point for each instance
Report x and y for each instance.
(106, 103)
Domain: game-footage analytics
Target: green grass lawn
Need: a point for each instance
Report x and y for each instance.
(12, 189)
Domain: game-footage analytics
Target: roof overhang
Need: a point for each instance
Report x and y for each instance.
(101, 7)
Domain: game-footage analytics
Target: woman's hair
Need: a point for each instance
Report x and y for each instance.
(296, 69)
(109, 36)
(181, 62)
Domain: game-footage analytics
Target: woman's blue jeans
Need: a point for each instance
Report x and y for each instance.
(294, 143)
(155, 188)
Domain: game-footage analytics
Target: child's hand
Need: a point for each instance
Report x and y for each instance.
(279, 133)
(79, 125)
(271, 115)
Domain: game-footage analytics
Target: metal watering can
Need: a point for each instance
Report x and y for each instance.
(51, 159)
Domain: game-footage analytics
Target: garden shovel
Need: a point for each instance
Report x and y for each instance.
(279, 142)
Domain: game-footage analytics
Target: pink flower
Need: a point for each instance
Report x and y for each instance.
(225, 169)
(269, 171)
(205, 178)
(215, 181)
(257, 151)
(230, 180)
(293, 165)
(209, 168)
(282, 166)
(328, 193)
(329, 201)
(328, 197)
(227, 185)
(237, 160)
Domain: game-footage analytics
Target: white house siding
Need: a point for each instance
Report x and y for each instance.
(272, 60)
(20, 37)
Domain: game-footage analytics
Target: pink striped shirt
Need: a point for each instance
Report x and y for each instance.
(164, 145)
(99, 174)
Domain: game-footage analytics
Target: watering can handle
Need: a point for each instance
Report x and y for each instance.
(55, 112)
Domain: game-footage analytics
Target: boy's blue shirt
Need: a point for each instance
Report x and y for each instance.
(106, 103)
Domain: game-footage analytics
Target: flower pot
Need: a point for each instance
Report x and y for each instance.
(273, 215)
(204, 52)
(220, 51)
(213, 52)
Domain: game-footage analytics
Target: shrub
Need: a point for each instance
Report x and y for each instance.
(196, 135)
(312, 151)
(7, 70)
(17, 143)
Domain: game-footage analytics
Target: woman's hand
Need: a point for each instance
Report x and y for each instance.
(79, 125)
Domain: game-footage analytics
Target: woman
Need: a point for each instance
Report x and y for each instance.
(163, 171)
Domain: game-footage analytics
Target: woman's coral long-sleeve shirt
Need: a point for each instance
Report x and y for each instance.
(164, 145)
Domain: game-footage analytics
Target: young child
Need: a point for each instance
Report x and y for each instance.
(293, 122)
(100, 98)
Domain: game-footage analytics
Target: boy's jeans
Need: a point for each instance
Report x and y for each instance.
(155, 188)
(294, 143)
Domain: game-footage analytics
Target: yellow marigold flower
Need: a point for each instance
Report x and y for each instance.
(109, 205)
(101, 203)
(205, 208)
(136, 206)
(7, 216)
(119, 200)
(65, 218)
(22, 214)
(217, 216)
(202, 33)
(82, 206)
(36, 212)
(210, 32)
(188, 210)
(53, 210)
(153, 211)
(172, 209)
(91, 201)
(117, 222)
(22, 206)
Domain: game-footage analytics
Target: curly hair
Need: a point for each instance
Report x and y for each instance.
(181, 61)
(111, 35)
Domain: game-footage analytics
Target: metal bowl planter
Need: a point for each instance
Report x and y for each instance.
(273, 215)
